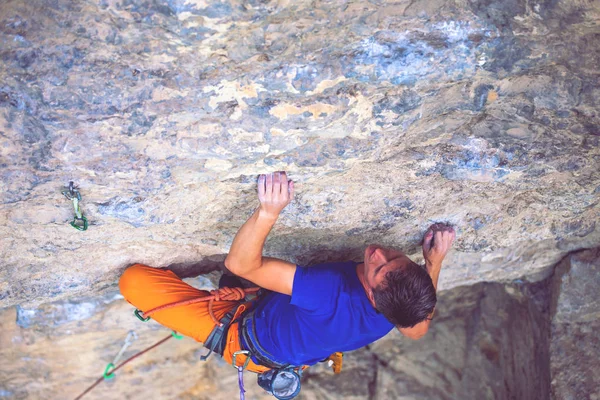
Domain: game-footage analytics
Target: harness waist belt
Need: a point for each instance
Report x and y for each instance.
(248, 333)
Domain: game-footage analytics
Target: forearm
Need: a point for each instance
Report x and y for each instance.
(246, 250)
(434, 272)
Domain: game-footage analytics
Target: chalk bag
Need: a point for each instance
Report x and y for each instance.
(284, 384)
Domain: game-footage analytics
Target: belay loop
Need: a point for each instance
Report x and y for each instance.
(72, 194)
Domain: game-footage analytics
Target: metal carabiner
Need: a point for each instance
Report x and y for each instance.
(138, 314)
(246, 353)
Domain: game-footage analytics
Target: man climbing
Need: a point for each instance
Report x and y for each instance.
(308, 313)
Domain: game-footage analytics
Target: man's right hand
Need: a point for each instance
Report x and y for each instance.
(436, 244)
(245, 257)
(274, 192)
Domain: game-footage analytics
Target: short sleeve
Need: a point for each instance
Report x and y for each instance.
(316, 289)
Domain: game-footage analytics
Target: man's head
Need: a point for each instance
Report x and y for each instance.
(399, 288)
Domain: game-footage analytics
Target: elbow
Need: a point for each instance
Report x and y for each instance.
(231, 264)
(240, 267)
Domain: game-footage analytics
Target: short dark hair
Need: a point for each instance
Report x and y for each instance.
(406, 296)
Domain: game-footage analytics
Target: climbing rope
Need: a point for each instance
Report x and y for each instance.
(222, 294)
(122, 364)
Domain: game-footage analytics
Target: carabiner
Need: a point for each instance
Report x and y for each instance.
(138, 313)
(245, 352)
(106, 375)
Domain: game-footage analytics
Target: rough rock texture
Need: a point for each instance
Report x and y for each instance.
(389, 115)
(575, 343)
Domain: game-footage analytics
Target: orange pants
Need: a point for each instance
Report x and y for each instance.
(147, 288)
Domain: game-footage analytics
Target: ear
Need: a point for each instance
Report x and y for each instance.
(371, 298)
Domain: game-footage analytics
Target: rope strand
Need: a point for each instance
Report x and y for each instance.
(122, 364)
(222, 294)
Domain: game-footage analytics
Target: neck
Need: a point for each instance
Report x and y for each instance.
(360, 272)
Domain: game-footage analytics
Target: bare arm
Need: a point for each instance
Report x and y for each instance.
(436, 244)
(245, 257)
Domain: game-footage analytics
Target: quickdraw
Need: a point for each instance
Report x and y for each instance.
(109, 370)
(240, 369)
(72, 194)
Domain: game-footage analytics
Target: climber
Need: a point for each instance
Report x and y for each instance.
(307, 313)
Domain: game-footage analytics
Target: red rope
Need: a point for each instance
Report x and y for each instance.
(122, 364)
(222, 294)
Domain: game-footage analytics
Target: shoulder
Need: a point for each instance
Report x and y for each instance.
(338, 271)
(318, 286)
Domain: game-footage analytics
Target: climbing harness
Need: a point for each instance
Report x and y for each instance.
(281, 380)
(216, 339)
(72, 194)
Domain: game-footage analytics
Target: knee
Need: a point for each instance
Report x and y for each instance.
(132, 278)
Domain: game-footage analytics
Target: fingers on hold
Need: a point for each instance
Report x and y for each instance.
(261, 184)
(427, 238)
(269, 183)
(284, 183)
(291, 189)
(438, 239)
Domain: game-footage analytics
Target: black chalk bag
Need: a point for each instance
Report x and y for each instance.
(283, 383)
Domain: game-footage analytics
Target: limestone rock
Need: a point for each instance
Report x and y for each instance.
(575, 344)
(389, 115)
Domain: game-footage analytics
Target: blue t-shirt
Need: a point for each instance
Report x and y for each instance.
(328, 311)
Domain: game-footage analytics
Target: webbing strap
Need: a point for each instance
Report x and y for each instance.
(218, 336)
(248, 332)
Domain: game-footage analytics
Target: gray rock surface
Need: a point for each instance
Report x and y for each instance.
(575, 338)
(389, 115)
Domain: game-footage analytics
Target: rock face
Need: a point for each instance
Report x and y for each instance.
(389, 115)
(575, 344)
